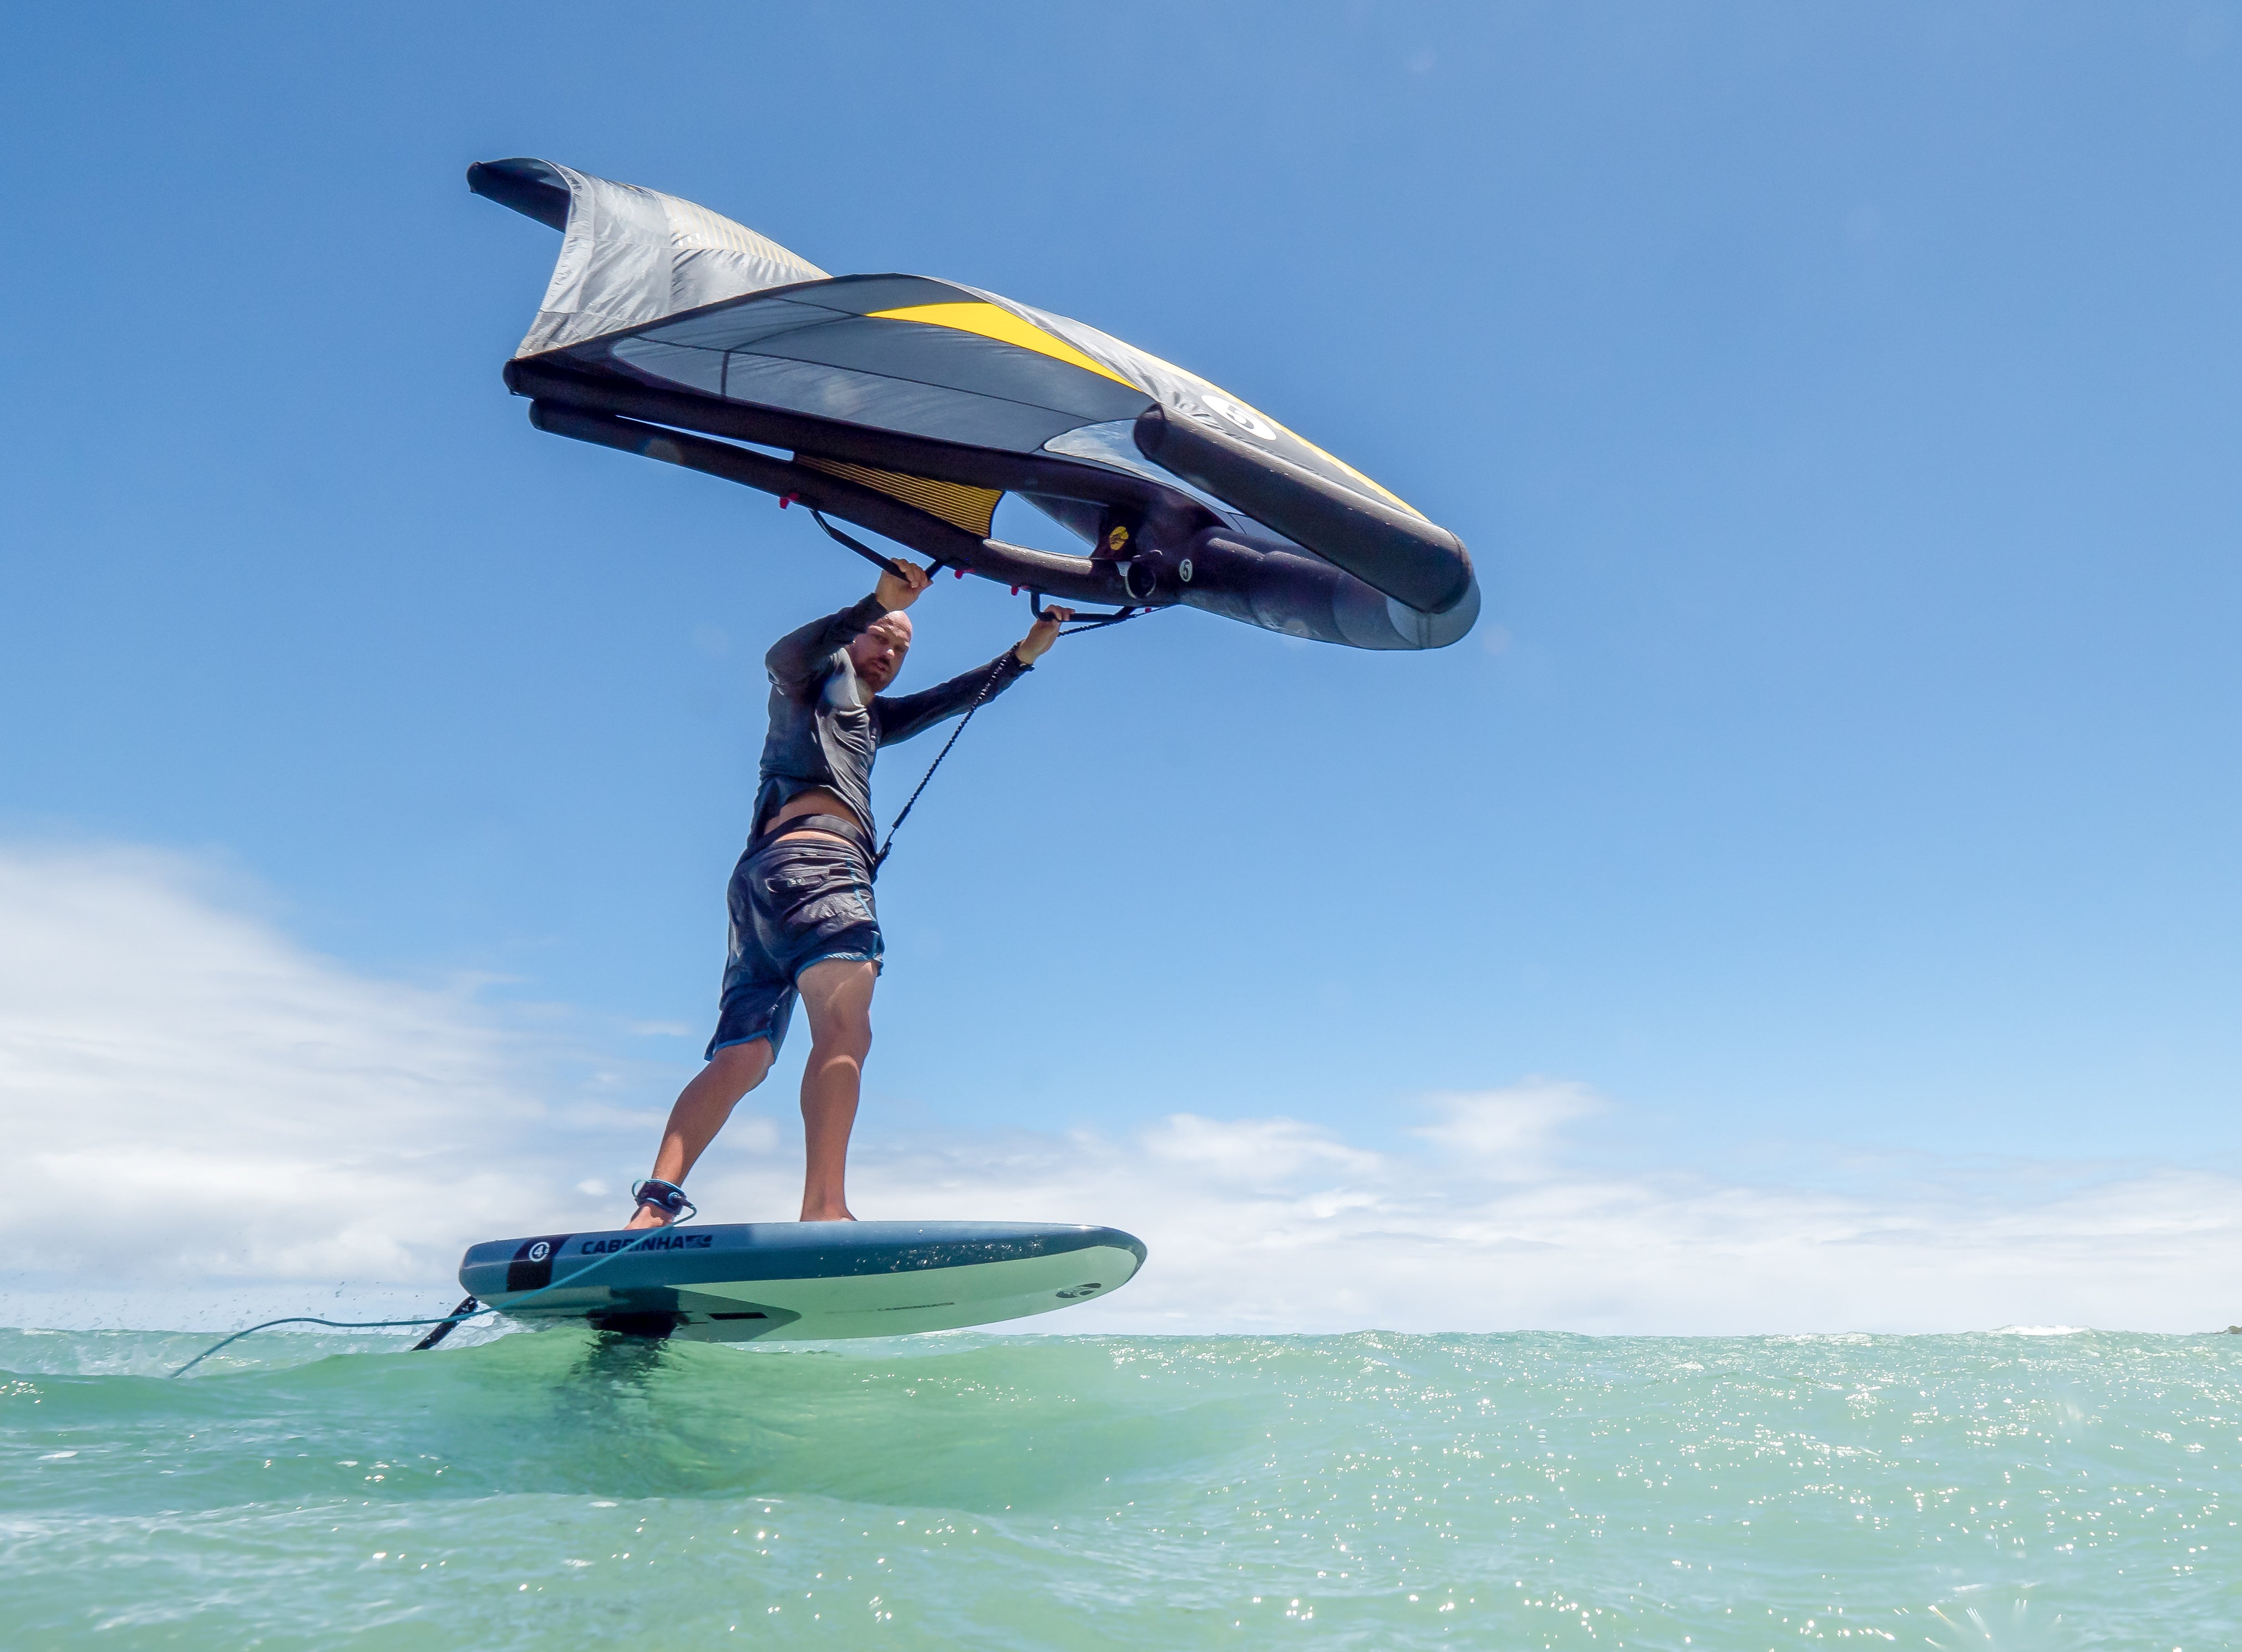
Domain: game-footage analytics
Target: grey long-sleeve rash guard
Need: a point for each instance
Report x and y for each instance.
(825, 729)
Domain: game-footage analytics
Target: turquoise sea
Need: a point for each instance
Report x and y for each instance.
(560, 1489)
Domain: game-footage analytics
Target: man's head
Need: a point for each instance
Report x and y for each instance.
(878, 651)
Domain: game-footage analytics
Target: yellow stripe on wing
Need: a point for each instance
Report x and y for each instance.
(973, 509)
(990, 322)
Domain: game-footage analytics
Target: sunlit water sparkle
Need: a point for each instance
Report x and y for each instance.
(551, 1490)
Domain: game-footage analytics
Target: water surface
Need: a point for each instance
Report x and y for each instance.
(555, 1489)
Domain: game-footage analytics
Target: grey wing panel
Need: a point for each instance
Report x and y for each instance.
(813, 352)
(630, 255)
(932, 411)
(964, 362)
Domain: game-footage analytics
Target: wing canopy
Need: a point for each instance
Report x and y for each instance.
(944, 397)
(628, 254)
(893, 353)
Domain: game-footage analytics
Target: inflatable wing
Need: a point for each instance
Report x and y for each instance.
(911, 407)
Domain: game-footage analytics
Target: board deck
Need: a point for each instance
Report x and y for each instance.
(800, 1281)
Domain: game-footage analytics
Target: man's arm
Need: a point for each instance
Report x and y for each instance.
(799, 656)
(913, 713)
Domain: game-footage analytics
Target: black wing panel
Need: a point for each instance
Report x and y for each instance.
(816, 350)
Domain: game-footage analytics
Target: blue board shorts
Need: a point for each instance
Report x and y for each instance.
(793, 901)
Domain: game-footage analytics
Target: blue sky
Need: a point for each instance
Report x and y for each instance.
(1840, 402)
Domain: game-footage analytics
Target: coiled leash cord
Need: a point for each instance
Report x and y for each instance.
(1099, 622)
(903, 814)
(469, 1309)
(889, 565)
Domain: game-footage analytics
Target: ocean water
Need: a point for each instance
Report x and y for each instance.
(560, 1489)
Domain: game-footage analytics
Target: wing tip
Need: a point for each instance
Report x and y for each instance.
(532, 187)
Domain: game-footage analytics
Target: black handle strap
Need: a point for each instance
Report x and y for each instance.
(1085, 621)
(885, 564)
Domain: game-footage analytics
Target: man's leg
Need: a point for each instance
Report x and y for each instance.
(838, 994)
(702, 1108)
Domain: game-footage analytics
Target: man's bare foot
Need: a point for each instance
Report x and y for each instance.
(647, 1216)
(843, 1214)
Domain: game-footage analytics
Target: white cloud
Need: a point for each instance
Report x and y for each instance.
(1508, 1134)
(185, 1095)
(1345, 1238)
(201, 1114)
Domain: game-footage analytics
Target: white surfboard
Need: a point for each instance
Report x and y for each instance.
(800, 1281)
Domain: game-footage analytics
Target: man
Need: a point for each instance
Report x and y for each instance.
(801, 899)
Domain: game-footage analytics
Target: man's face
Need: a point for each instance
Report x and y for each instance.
(877, 654)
